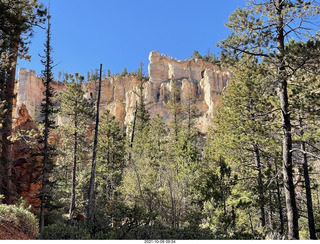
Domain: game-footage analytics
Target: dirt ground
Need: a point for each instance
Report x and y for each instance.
(10, 232)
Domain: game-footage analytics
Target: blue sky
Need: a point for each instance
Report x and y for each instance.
(122, 33)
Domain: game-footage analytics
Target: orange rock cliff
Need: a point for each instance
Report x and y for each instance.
(202, 81)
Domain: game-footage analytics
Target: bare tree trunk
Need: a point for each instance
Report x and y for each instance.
(131, 145)
(271, 212)
(251, 224)
(133, 130)
(312, 228)
(95, 143)
(73, 191)
(279, 201)
(173, 208)
(260, 186)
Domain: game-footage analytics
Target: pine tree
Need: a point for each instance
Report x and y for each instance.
(175, 108)
(110, 160)
(182, 160)
(138, 134)
(47, 113)
(196, 54)
(143, 180)
(214, 192)
(260, 30)
(304, 104)
(142, 116)
(243, 130)
(18, 19)
(124, 72)
(79, 112)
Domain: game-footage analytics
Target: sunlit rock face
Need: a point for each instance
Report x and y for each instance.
(197, 82)
(27, 166)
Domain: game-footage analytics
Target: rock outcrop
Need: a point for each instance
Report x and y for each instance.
(202, 81)
(30, 90)
(26, 165)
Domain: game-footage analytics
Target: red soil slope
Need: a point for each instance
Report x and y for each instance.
(8, 231)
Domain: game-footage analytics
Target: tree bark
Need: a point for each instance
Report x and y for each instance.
(289, 189)
(279, 201)
(260, 185)
(44, 174)
(73, 191)
(95, 143)
(8, 95)
(312, 228)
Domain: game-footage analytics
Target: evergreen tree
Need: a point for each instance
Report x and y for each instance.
(179, 165)
(304, 104)
(17, 22)
(110, 160)
(175, 108)
(260, 30)
(196, 54)
(214, 192)
(47, 112)
(243, 130)
(124, 72)
(79, 113)
(138, 134)
(142, 116)
(59, 75)
(143, 177)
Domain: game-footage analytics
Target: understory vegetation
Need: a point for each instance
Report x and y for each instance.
(20, 216)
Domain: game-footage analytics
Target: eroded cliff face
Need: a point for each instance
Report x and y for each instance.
(26, 170)
(196, 80)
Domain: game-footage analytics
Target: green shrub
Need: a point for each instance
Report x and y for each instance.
(64, 231)
(20, 215)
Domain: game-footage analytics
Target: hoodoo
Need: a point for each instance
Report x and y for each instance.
(196, 79)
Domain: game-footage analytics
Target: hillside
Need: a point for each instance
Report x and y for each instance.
(17, 222)
(12, 232)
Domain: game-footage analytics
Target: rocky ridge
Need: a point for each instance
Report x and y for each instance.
(202, 81)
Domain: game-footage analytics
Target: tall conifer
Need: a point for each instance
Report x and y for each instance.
(17, 22)
(79, 111)
(47, 114)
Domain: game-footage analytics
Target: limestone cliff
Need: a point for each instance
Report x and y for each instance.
(202, 81)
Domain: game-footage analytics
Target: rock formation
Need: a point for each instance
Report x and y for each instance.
(202, 81)
(26, 165)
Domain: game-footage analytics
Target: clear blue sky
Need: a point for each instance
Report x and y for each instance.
(122, 33)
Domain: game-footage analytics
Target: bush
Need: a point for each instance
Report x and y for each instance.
(97, 227)
(63, 231)
(20, 215)
(118, 221)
